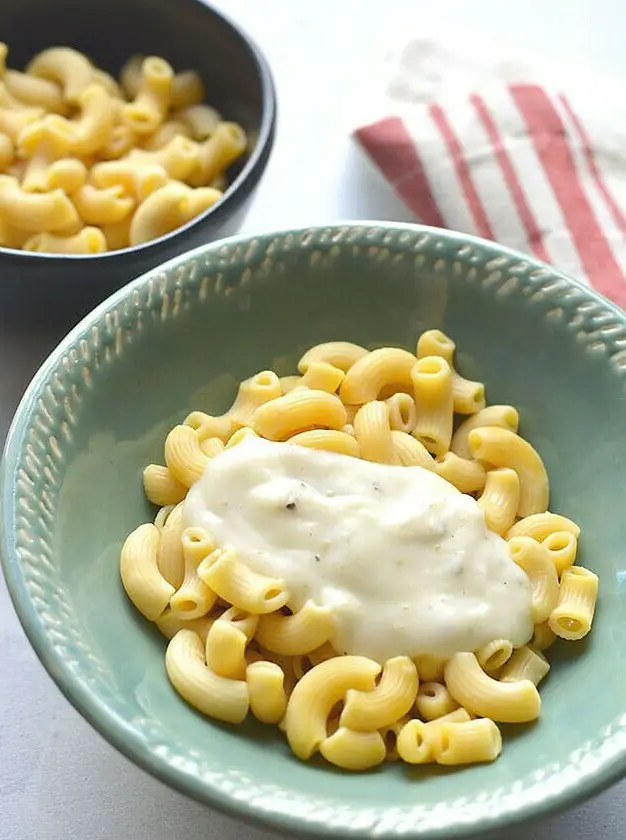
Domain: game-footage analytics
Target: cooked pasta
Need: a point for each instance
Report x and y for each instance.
(99, 165)
(241, 637)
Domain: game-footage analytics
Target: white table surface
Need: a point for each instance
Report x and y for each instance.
(58, 779)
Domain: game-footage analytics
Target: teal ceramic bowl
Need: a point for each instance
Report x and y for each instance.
(181, 337)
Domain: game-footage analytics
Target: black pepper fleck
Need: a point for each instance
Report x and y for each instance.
(290, 506)
(317, 558)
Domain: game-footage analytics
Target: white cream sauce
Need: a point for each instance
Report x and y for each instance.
(403, 559)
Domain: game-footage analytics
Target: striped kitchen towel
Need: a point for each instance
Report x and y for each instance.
(488, 147)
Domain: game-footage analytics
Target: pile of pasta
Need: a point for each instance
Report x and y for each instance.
(89, 164)
(236, 647)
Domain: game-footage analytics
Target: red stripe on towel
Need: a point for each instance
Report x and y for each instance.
(390, 146)
(585, 141)
(462, 171)
(550, 141)
(533, 232)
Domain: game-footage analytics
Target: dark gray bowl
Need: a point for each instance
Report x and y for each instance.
(191, 35)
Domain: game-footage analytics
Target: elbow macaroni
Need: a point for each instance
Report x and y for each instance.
(104, 163)
(234, 647)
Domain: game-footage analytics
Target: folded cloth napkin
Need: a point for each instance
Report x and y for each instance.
(534, 158)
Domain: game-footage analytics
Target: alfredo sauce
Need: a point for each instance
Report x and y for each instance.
(401, 557)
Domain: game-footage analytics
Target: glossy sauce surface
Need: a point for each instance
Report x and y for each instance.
(404, 560)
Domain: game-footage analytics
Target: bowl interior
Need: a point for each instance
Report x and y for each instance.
(189, 34)
(181, 339)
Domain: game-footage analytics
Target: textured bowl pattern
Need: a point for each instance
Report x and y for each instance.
(181, 337)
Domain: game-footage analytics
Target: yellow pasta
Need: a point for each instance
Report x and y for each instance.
(493, 655)
(218, 697)
(34, 91)
(252, 393)
(467, 476)
(543, 637)
(366, 378)
(106, 80)
(291, 635)
(193, 598)
(7, 152)
(500, 499)
(42, 174)
(212, 446)
(227, 143)
(238, 585)
(504, 448)
(187, 89)
(226, 650)
(417, 742)
(102, 207)
(298, 411)
(322, 376)
(562, 548)
(354, 750)
(239, 436)
(137, 179)
(501, 416)
(525, 664)
(434, 701)
(183, 455)
(328, 440)
(541, 525)
(410, 452)
(266, 685)
(534, 559)
(340, 354)
(167, 208)
(315, 695)
(162, 515)
(121, 143)
(207, 426)
(402, 413)
(68, 67)
(91, 130)
(373, 433)
(178, 158)
(468, 743)
(468, 396)
(89, 240)
(201, 120)
(470, 686)
(572, 617)
(36, 212)
(432, 383)
(170, 559)
(288, 383)
(164, 134)
(130, 76)
(430, 668)
(160, 486)
(169, 625)
(392, 698)
(118, 235)
(234, 646)
(435, 343)
(142, 580)
(153, 98)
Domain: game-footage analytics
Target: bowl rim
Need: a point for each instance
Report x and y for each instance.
(238, 190)
(587, 783)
